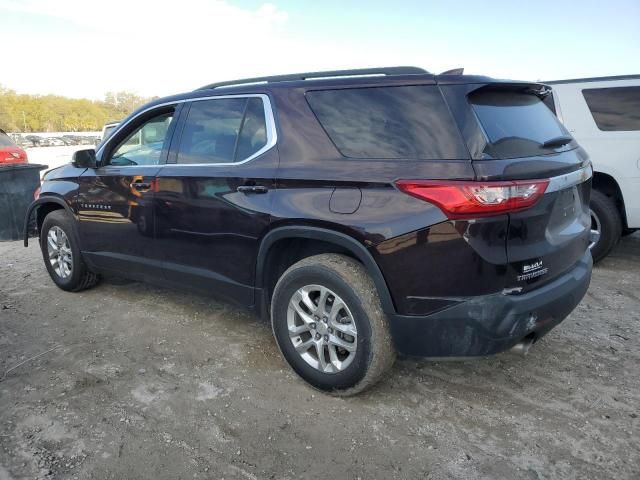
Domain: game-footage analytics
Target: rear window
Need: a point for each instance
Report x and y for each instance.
(388, 122)
(516, 124)
(5, 140)
(614, 109)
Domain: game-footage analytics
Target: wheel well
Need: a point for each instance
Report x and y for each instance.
(287, 251)
(44, 210)
(607, 185)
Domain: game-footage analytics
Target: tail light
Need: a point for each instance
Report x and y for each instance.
(13, 157)
(463, 199)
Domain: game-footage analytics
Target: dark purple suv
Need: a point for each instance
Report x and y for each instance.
(365, 212)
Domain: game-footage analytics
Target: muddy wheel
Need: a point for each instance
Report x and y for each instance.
(61, 253)
(329, 324)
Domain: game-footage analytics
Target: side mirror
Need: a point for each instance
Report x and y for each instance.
(84, 158)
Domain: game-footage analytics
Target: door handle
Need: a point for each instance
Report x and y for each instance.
(252, 189)
(140, 185)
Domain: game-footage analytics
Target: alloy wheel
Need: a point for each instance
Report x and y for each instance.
(322, 329)
(59, 250)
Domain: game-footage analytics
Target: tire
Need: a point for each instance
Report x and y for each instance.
(144, 225)
(79, 277)
(347, 372)
(606, 218)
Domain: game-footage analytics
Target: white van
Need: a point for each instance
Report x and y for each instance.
(603, 114)
(108, 130)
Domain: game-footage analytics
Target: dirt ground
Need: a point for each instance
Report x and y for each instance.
(144, 382)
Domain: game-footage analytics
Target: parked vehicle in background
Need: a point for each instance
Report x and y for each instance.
(108, 130)
(603, 114)
(55, 142)
(365, 212)
(34, 138)
(69, 140)
(10, 153)
(24, 142)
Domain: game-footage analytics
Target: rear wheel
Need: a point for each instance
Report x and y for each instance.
(329, 324)
(606, 225)
(61, 253)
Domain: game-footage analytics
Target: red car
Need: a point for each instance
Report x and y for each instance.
(9, 151)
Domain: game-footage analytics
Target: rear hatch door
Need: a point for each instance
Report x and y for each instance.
(512, 135)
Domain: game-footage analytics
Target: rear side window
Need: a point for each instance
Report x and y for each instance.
(516, 124)
(253, 134)
(5, 140)
(614, 109)
(388, 122)
(224, 130)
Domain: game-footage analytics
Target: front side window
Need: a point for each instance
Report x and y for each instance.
(224, 130)
(144, 145)
(614, 109)
(408, 122)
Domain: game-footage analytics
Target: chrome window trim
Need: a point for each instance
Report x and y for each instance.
(569, 180)
(272, 133)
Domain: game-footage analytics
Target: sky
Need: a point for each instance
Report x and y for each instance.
(84, 48)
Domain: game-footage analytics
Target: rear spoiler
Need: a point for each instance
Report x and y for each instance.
(479, 81)
(539, 89)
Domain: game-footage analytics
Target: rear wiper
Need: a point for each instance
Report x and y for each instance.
(556, 142)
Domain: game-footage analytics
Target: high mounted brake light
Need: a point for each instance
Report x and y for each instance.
(464, 199)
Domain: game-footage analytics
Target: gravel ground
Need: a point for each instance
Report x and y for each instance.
(144, 382)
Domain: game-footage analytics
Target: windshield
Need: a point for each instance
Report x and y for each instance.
(517, 124)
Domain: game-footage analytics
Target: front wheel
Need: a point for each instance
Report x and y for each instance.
(61, 253)
(329, 324)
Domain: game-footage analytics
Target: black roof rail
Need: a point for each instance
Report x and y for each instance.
(320, 75)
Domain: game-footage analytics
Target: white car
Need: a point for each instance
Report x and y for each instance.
(603, 115)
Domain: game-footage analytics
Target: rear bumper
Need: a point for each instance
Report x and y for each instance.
(491, 324)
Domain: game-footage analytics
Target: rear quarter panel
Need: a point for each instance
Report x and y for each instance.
(428, 262)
